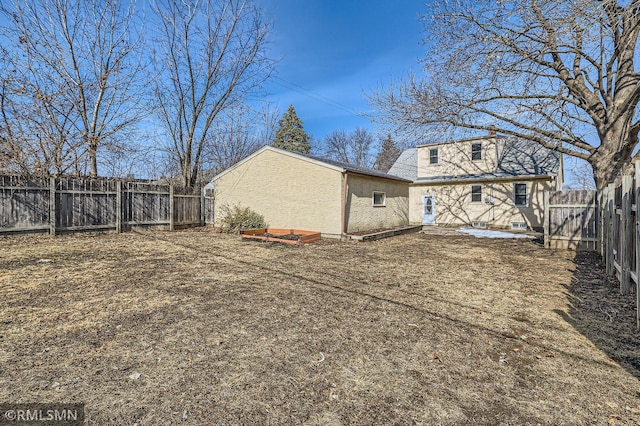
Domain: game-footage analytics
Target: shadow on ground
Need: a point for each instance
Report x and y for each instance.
(602, 314)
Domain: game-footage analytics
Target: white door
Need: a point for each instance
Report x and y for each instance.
(428, 209)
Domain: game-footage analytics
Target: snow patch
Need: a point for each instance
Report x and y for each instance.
(485, 233)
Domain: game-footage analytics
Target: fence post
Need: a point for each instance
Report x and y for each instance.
(609, 223)
(625, 235)
(547, 220)
(636, 185)
(202, 212)
(52, 206)
(119, 206)
(171, 207)
(600, 233)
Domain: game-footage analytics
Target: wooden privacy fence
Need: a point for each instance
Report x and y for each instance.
(605, 221)
(76, 204)
(571, 220)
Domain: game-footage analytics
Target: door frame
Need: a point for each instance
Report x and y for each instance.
(433, 205)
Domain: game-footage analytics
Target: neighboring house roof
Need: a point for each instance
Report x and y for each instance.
(335, 165)
(517, 158)
(406, 166)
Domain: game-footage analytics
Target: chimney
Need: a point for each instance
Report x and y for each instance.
(492, 131)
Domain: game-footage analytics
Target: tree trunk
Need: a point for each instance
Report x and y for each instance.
(613, 156)
(93, 154)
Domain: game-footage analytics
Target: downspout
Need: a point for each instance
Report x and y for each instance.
(345, 197)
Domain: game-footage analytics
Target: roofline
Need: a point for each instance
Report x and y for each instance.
(279, 151)
(310, 160)
(478, 179)
(387, 177)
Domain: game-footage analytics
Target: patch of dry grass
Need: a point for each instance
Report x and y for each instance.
(424, 329)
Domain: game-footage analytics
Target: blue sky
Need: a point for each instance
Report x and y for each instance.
(334, 52)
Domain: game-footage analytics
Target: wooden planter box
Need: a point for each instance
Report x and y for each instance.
(304, 237)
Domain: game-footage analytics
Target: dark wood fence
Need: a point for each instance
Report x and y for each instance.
(73, 204)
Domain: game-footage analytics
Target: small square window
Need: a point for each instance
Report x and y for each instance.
(476, 193)
(379, 199)
(520, 194)
(433, 156)
(476, 151)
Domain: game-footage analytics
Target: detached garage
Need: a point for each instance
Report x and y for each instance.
(301, 192)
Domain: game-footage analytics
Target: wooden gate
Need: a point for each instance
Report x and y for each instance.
(571, 220)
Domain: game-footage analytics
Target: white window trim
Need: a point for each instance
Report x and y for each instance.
(437, 156)
(481, 191)
(526, 194)
(384, 199)
(476, 143)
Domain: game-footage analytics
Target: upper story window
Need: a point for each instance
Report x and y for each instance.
(476, 193)
(433, 156)
(476, 151)
(379, 199)
(520, 194)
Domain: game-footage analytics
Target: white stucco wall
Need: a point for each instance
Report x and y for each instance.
(363, 215)
(454, 205)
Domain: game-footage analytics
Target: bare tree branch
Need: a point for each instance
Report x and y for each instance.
(73, 69)
(212, 56)
(558, 73)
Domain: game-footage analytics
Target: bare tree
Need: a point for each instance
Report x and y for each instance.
(211, 57)
(351, 148)
(581, 174)
(70, 67)
(238, 133)
(556, 72)
(336, 146)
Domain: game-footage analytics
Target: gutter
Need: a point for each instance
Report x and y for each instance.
(474, 180)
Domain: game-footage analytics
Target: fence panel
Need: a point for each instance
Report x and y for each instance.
(24, 204)
(571, 220)
(85, 204)
(187, 210)
(77, 204)
(145, 204)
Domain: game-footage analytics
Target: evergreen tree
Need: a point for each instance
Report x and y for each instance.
(291, 135)
(388, 154)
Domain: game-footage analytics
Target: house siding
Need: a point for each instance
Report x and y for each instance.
(290, 192)
(363, 216)
(454, 205)
(454, 158)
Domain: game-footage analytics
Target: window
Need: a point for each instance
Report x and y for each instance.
(476, 193)
(379, 199)
(476, 151)
(520, 194)
(433, 156)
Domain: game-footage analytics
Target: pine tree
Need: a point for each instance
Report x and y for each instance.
(290, 135)
(387, 155)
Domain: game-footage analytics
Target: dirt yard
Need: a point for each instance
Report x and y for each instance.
(199, 328)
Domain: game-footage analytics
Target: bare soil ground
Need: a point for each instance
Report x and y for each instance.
(193, 327)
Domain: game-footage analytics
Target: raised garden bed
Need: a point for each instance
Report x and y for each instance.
(287, 236)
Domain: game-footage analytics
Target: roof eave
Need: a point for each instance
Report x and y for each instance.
(387, 177)
(485, 179)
